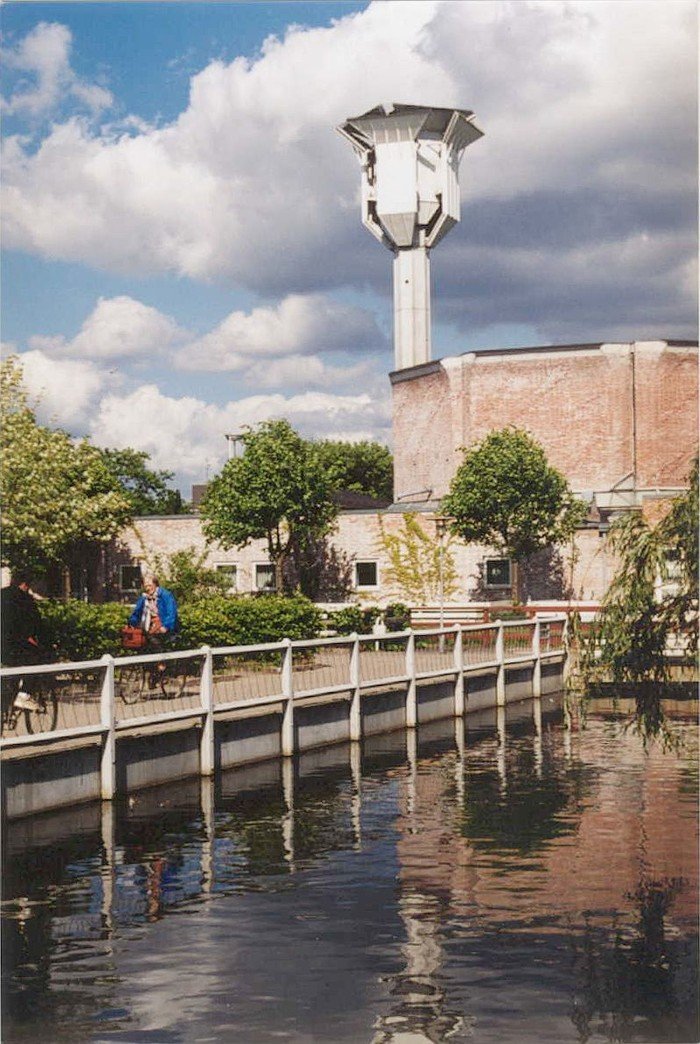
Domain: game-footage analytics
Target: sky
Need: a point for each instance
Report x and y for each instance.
(182, 248)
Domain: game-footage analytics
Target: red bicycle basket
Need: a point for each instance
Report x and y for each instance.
(133, 638)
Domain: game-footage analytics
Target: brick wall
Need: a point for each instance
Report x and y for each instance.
(598, 410)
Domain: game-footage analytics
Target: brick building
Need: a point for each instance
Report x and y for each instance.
(619, 420)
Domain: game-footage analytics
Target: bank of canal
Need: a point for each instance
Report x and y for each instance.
(501, 878)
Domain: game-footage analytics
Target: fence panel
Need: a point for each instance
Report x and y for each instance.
(382, 657)
(517, 639)
(247, 674)
(146, 685)
(321, 666)
(435, 652)
(479, 645)
(551, 636)
(62, 697)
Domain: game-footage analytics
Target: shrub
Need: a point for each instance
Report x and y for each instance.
(397, 616)
(353, 620)
(511, 613)
(82, 631)
(249, 621)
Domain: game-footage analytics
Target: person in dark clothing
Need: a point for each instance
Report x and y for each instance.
(20, 631)
(20, 623)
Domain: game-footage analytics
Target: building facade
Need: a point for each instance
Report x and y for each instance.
(620, 421)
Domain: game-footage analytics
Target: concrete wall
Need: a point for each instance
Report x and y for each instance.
(36, 783)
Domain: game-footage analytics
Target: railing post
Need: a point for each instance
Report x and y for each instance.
(565, 640)
(207, 751)
(287, 739)
(459, 677)
(411, 695)
(355, 716)
(500, 670)
(108, 780)
(537, 667)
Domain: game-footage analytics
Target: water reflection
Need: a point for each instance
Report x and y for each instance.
(499, 878)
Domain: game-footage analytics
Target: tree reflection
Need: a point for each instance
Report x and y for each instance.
(629, 991)
(530, 811)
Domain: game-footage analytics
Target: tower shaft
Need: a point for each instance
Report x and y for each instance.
(411, 307)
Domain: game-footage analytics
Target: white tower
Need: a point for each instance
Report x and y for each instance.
(410, 199)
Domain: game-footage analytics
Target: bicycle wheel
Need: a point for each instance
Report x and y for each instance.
(43, 720)
(173, 680)
(131, 682)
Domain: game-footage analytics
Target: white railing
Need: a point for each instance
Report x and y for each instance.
(99, 699)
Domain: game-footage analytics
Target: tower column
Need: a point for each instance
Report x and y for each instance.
(411, 307)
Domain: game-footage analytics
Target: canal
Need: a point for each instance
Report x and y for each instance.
(505, 879)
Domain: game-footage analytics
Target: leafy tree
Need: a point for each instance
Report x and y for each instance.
(651, 604)
(417, 562)
(319, 569)
(56, 494)
(278, 490)
(147, 490)
(361, 467)
(506, 495)
(187, 575)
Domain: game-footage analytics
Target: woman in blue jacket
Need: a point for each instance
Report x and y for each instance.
(156, 610)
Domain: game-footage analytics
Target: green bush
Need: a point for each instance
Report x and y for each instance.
(82, 631)
(220, 621)
(512, 613)
(352, 619)
(397, 617)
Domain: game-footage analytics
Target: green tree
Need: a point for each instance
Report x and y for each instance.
(650, 606)
(147, 490)
(420, 568)
(361, 467)
(187, 575)
(278, 490)
(506, 495)
(56, 494)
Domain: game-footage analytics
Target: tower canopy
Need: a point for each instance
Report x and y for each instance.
(410, 158)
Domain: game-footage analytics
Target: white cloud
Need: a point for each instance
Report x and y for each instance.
(251, 177)
(186, 435)
(300, 324)
(44, 53)
(589, 105)
(306, 371)
(66, 391)
(118, 327)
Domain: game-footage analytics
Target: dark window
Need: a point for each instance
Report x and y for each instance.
(498, 572)
(365, 574)
(129, 578)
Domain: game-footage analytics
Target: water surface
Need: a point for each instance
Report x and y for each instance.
(512, 881)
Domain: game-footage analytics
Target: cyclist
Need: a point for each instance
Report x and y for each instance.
(156, 613)
(20, 633)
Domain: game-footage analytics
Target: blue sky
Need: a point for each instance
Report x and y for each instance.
(182, 247)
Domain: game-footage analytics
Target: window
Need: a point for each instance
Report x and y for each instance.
(365, 574)
(497, 572)
(129, 578)
(265, 578)
(230, 574)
